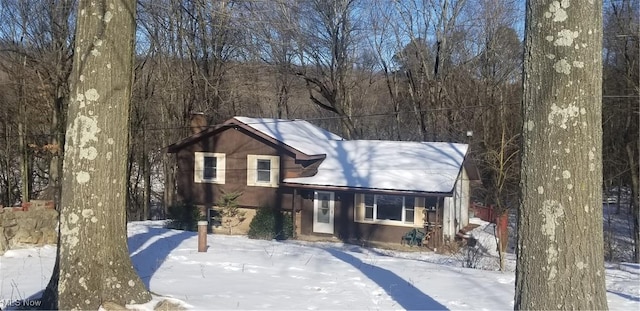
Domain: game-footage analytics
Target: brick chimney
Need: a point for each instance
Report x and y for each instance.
(198, 122)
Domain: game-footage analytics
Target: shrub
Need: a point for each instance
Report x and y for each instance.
(269, 223)
(184, 216)
(229, 214)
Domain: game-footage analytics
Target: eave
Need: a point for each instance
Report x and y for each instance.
(233, 123)
(371, 190)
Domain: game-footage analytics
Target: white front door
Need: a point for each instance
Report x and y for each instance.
(323, 212)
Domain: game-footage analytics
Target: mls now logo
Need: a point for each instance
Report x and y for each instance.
(24, 303)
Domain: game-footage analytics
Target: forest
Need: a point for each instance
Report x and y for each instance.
(419, 70)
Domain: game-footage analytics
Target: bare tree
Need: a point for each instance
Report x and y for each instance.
(273, 32)
(38, 37)
(327, 44)
(560, 238)
(498, 128)
(93, 264)
(620, 107)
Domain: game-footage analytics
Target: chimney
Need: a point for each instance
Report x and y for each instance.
(198, 122)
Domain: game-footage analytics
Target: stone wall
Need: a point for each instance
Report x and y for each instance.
(20, 228)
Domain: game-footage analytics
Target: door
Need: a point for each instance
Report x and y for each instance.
(323, 212)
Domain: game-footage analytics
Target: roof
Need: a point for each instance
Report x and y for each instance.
(365, 164)
(297, 134)
(389, 165)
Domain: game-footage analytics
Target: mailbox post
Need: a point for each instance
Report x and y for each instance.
(202, 236)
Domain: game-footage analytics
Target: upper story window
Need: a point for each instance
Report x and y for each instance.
(388, 208)
(263, 170)
(209, 167)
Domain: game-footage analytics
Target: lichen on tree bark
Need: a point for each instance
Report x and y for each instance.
(560, 240)
(93, 264)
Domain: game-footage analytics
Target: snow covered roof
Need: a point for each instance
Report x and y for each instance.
(298, 134)
(367, 164)
(389, 165)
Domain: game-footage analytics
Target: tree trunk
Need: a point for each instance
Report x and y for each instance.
(25, 171)
(57, 142)
(7, 157)
(560, 236)
(93, 264)
(168, 168)
(146, 171)
(634, 201)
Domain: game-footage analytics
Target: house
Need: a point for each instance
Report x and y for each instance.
(365, 190)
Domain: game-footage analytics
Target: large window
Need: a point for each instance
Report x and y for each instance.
(263, 170)
(389, 207)
(209, 167)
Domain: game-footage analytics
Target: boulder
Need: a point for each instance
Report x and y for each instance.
(166, 305)
(112, 306)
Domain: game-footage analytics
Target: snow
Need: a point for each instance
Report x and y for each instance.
(240, 273)
(389, 165)
(369, 164)
(298, 134)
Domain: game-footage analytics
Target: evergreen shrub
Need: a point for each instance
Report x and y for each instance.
(269, 223)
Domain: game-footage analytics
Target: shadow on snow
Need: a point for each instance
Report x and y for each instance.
(403, 292)
(150, 249)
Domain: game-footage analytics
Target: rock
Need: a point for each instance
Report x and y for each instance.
(4, 245)
(32, 237)
(10, 232)
(8, 219)
(166, 305)
(112, 306)
(28, 219)
(25, 228)
(49, 236)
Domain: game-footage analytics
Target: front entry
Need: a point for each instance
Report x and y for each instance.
(323, 212)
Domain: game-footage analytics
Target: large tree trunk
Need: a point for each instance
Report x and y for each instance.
(560, 239)
(93, 264)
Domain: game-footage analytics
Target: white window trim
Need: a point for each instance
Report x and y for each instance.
(360, 212)
(198, 167)
(252, 170)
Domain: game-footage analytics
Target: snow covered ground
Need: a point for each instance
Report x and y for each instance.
(240, 273)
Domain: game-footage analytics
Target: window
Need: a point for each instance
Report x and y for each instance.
(263, 170)
(209, 167)
(392, 208)
(368, 207)
(409, 209)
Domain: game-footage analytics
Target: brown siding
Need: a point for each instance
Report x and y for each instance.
(346, 229)
(236, 144)
(306, 214)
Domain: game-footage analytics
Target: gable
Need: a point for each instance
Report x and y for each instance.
(296, 134)
(298, 137)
